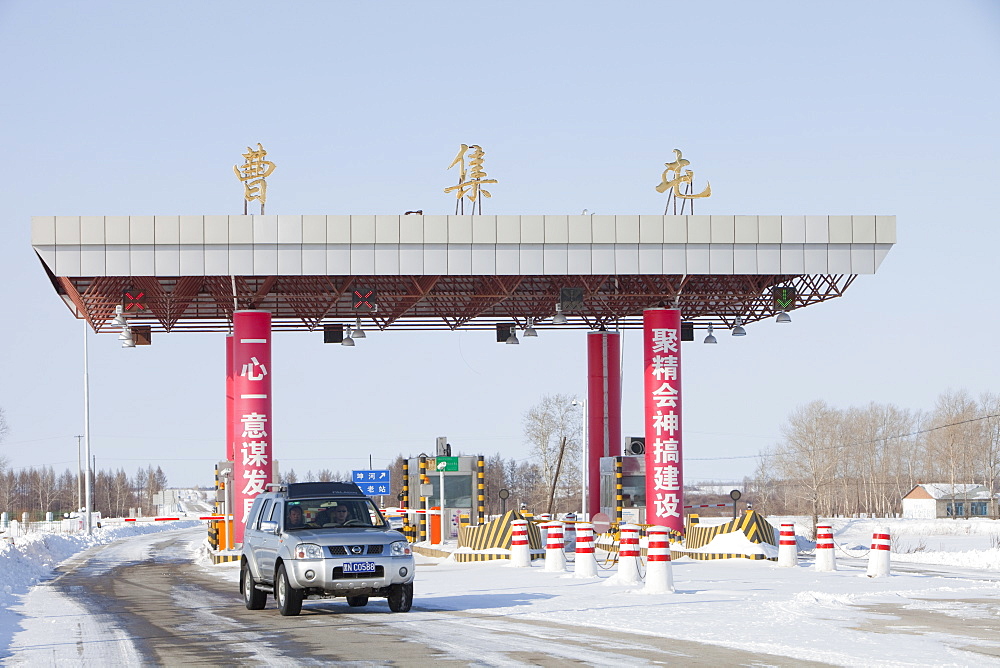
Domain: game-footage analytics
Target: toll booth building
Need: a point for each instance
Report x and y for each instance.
(633, 487)
(460, 487)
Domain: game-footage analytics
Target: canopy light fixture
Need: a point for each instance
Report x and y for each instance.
(358, 333)
(529, 330)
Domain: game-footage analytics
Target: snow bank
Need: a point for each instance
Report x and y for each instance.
(32, 558)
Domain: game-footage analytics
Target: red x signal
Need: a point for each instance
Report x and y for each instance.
(136, 302)
(364, 301)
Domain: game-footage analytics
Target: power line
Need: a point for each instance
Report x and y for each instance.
(834, 447)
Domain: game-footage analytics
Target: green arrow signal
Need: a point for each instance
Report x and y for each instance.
(784, 297)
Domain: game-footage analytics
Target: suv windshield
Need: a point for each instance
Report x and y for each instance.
(332, 512)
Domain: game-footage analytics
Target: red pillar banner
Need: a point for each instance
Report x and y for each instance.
(229, 398)
(252, 428)
(604, 409)
(662, 396)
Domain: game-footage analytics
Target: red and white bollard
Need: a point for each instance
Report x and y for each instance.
(878, 558)
(825, 560)
(628, 556)
(555, 555)
(586, 562)
(659, 576)
(788, 553)
(543, 528)
(520, 551)
(569, 535)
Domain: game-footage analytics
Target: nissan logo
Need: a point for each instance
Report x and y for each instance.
(356, 549)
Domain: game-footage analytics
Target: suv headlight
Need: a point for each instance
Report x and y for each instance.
(308, 551)
(400, 548)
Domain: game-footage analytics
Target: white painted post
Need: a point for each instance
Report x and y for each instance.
(825, 559)
(628, 555)
(520, 551)
(555, 555)
(659, 574)
(787, 548)
(878, 558)
(586, 562)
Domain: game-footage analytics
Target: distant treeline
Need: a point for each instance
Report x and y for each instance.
(115, 493)
(865, 459)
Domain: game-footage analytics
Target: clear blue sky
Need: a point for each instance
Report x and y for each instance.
(787, 108)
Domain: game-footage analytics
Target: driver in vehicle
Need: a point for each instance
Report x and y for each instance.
(295, 518)
(339, 516)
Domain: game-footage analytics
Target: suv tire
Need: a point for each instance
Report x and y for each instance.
(289, 600)
(254, 598)
(401, 597)
(357, 601)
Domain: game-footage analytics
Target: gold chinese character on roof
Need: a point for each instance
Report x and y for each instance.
(470, 179)
(252, 173)
(672, 186)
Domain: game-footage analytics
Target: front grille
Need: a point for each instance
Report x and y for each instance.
(339, 574)
(343, 551)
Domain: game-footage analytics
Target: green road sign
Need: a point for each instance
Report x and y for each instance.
(451, 464)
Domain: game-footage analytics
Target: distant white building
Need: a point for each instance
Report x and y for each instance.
(935, 500)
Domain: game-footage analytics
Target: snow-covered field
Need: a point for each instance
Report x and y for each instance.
(749, 605)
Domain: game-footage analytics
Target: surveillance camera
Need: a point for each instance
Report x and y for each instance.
(442, 466)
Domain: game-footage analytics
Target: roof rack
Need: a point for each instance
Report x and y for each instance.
(298, 490)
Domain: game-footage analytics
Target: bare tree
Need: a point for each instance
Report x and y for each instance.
(552, 427)
(949, 439)
(810, 453)
(989, 444)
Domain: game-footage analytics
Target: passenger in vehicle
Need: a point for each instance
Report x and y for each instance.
(295, 518)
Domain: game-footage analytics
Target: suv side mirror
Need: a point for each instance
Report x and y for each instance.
(269, 527)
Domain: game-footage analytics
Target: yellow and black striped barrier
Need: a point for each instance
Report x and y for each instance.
(494, 535)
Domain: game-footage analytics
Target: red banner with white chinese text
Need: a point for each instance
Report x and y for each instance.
(252, 461)
(229, 398)
(662, 397)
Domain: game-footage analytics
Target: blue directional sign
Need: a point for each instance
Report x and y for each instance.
(372, 483)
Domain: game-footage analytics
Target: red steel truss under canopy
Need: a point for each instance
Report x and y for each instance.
(450, 272)
(206, 303)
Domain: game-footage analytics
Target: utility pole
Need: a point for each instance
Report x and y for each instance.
(79, 475)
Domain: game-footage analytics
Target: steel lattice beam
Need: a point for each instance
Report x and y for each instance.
(200, 304)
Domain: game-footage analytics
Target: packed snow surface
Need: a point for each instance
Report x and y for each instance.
(752, 605)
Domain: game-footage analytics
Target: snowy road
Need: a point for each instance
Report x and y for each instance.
(154, 599)
(144, 601)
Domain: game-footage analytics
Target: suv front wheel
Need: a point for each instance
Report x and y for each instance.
(289, 600)
(401, 597)
(253, 597)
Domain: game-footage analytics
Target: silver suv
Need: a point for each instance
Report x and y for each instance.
(322, 539)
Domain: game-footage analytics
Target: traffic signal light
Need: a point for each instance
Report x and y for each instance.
(570, 299)
(635, 445)
(363, 301)
(134, 301)
(784, 298)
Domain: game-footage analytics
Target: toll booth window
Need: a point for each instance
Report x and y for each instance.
(634, 491)
(607, 491)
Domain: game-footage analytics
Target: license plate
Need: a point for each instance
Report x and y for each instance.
(359, 567)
